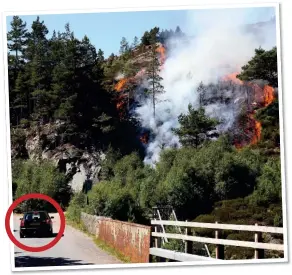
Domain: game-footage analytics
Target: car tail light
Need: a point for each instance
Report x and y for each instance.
(48, 221)
(22, 223)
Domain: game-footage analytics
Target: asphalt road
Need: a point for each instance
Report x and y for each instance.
(74, 248)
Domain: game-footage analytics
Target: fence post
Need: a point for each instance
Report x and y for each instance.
(258, 253)
(156, 238)
(219, 247)
(188, 244)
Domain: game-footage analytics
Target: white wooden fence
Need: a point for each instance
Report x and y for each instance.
(257, 245)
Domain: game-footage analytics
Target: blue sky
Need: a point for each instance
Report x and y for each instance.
(105, 30)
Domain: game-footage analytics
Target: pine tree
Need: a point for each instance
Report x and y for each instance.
(17, 39)
(135, 42)
(153, 76)
(263, 66)
(39, 68)
(124, 46)
(178, 32)
(195, 127)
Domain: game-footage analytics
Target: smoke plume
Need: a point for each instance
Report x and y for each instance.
(222, 45)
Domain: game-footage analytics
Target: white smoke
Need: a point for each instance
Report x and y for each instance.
(119, 76)
(220, 47)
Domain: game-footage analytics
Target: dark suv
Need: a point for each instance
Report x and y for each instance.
(36, 222)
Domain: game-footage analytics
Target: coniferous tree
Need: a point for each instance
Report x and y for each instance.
(195, 127)
(17, 40)
(39, 70)
(262, 66)
(135, 42)
(153, 76)
(124, 46)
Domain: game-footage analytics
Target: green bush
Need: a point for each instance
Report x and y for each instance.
(44, 178)
(269, 187)
(76, 206)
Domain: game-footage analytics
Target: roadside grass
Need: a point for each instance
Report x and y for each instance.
(101, 244)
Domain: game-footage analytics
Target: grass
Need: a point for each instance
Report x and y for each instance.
(101, 244)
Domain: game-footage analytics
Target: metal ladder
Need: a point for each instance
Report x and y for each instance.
(157, 216)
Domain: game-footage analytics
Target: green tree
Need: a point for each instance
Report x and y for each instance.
(195, 127)
(39, 71)
(154, 78)
(124, 46)
(262, 66)
(269, 187)
(32, 177)
(135, 43)
(145, 39)
(150, 37)
(17, 40)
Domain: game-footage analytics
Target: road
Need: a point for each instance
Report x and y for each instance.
(74, 248)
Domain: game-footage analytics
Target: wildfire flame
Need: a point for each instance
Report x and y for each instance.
(257, 129)
(268, 95)
(161, 50)
(121, 84)
(264, 95)
(144, 138)
(232, 77)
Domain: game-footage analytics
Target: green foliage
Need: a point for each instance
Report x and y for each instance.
(269, 188)
(107, 165)
(269, 118)
(77, 203)
(150, 37)
(262, 66)
(241, 211)
(189, 179)
(18, 141)
(113, 200)
(66, 78)
(127, 169)
(32, 177)
(195, 127)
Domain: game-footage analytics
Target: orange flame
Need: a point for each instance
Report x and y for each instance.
(268, 95)
(257, 130)
(161, 50)
(120, 105)
(121, 101)
(144, 138)
(265, 96)
(232, 77)
(121, 84)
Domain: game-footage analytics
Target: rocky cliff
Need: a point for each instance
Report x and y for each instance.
(46, 142)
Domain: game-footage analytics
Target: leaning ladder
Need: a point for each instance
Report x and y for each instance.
(164, 239)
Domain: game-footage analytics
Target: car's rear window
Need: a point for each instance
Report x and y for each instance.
(35, 215)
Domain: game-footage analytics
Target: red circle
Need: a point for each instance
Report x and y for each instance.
(33, 248)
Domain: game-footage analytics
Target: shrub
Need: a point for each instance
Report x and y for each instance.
(43, 177)
(76, 206)
(269, 188)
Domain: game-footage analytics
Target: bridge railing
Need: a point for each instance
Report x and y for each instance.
(257, 244)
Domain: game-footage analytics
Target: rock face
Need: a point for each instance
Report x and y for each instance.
(78, 164)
